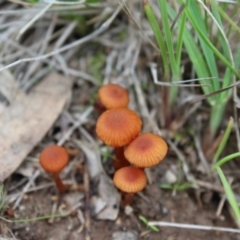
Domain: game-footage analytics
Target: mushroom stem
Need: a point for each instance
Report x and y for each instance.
(127, 198)
(120, 160)
(167, 108)
(60, 185)
(99, 107)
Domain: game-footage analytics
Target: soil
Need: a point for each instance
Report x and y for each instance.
(157, 205)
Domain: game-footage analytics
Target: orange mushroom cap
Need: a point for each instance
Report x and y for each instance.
(146, 150)
(54, 158)
(113, 96)
(118, 127)
(130, 179)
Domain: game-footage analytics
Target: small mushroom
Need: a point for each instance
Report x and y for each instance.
(113, 96)
(129, 180)
(53, 159)
(146, 150)
(118, 127)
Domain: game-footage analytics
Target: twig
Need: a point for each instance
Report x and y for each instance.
(185, 166)
(76, 124)
(153, 69)
(200, 152)
(44, 45)
(53, 212)
(34, 19)
(89, 37)
(68, 30)
(221, 204)
(30, 182)
(109, 66)
(193, 226)
(87, 204)
(210, 186)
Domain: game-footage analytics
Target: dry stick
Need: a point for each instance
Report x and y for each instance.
(153, 69)
(108, 43)
(121, 58)
(44, 45)
(210, 186)
(140, 96)
(220, 205)
(52, 64)
(86, 134)
(65, 2)
(77, 123)
(178, 123)
(27, 186)
(109, 66)
(87, 203)
(9, 24)
(23, 50)
(193, 226)
(89, 37)
(200, 153)
(33, 20)
(185, 166)
(18, 12)
(81, 220)
(130, 15)
(59, 43)
(53, 212)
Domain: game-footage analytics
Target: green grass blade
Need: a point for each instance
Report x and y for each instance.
(230, 195)
(145, 221)
(228, 19)
(159, 38)
(228, 77)
(193, 12)
(228, 74)
(169, 42)
(180, 38)
(224, 140)
(217, 112)
(197, 59)
(168, 35)
(226, 159)
(209, 44)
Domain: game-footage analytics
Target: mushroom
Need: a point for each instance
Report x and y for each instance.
(116, 128)
(130, 180)
(53, 159)
(146, 150)
(112, 96)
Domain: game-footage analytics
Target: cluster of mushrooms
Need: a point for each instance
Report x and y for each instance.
(120, 127)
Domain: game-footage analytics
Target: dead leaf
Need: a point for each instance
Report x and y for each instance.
(109, 194)
(93, 158)
(106, 204)
(28, 118)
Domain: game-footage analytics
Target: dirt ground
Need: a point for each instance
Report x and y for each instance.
(155, 205)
